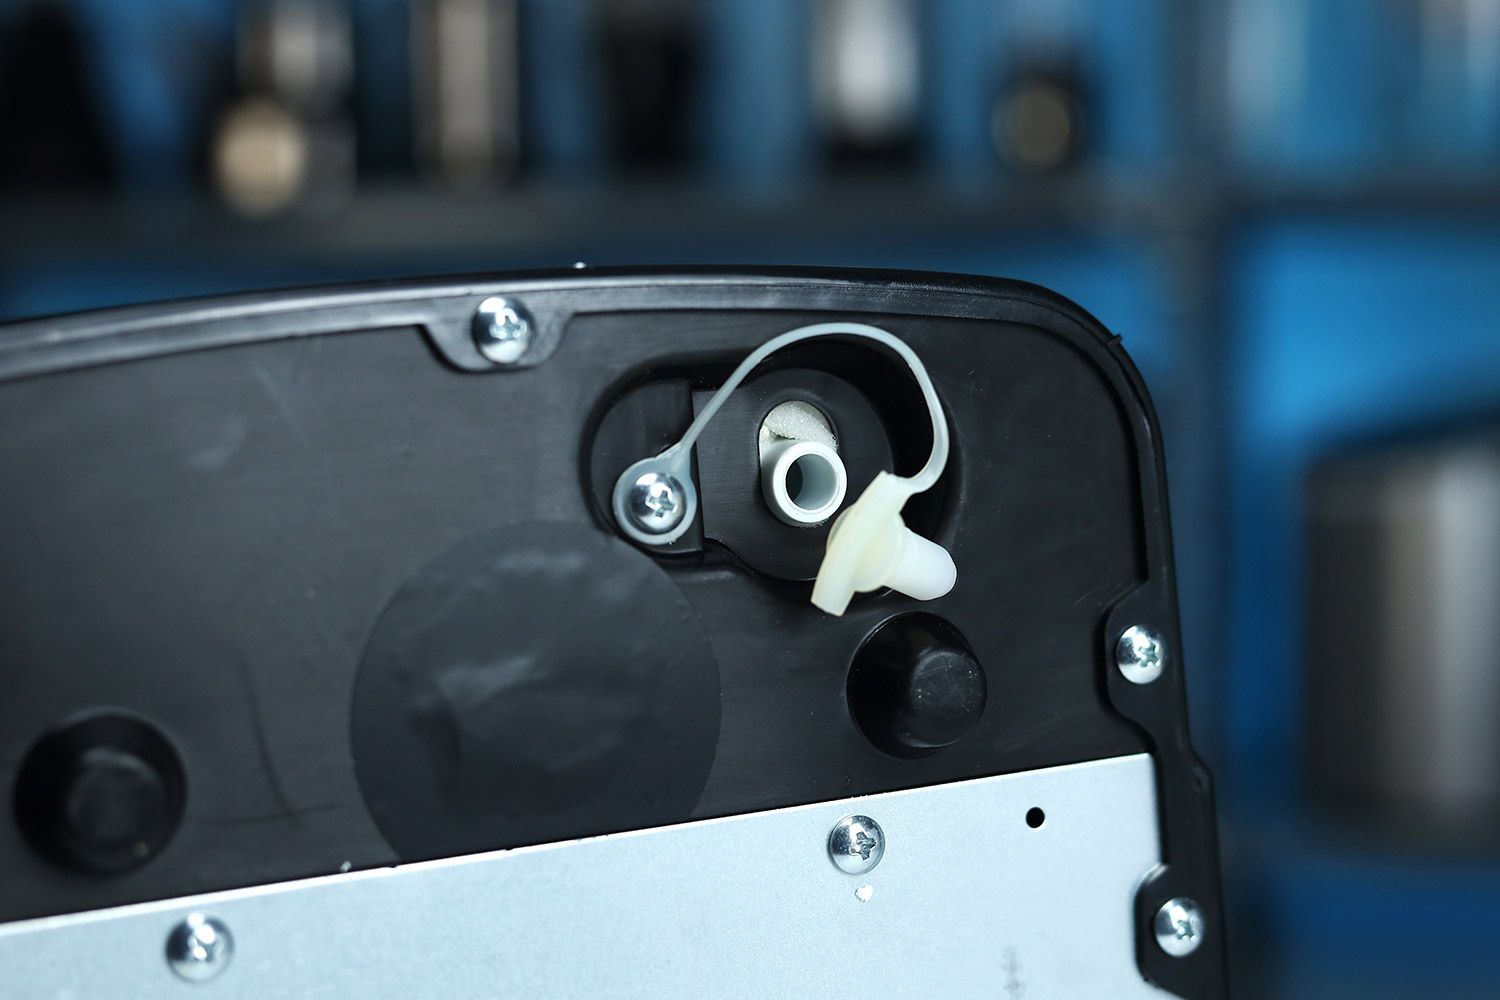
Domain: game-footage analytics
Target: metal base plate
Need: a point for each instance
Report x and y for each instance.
(969, 900)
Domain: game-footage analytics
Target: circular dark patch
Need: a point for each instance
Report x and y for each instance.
(101, 793)
(539, 683)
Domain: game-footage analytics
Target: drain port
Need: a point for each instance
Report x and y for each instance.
(802, 477)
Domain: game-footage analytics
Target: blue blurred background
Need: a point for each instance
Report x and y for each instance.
(1290, 210)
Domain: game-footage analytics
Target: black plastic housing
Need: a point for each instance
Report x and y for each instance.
(223, 517)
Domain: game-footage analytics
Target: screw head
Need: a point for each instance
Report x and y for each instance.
(1179, 927)
(1140, 654)
(656, 503)
(502, 329)
(200, 947)
(856, 844)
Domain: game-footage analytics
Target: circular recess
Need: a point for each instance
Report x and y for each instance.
(1035, 817)
(102, 793)
(915, 686)
(812, 483)
(538, 683)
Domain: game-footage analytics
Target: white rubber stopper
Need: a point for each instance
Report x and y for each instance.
(871, 547)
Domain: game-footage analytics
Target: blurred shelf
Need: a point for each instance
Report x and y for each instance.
(407, 219)
(1443, 193)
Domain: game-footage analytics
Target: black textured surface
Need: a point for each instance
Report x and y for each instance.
(207, 507)
(536, 683)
